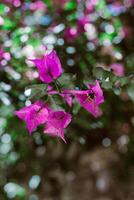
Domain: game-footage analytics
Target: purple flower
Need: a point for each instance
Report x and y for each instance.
(56, 123)
(49, 67)
(118, 69)
(34, 115)
(90, 99)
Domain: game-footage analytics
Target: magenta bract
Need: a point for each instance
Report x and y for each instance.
(91, 98)
(57, 122)
(49, 67)
(33, 115)
(39, 113)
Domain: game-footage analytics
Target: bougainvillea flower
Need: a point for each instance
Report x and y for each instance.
(49, 67)
(90, 99)
(118, 69)
(34, 115)
(127, 31)
(56, 123)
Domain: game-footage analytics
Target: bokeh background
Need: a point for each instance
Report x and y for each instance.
(97, 163)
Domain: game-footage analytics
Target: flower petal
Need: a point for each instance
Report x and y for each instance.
(54, 132)
(97, 91)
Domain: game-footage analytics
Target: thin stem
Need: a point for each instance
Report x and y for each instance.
(58, 82)
(56, 85)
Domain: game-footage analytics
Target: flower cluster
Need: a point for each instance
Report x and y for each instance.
(55, 121)
(40, 113)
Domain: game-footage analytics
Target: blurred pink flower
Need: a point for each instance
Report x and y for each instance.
(1, 53)
(15, 3)
(57, 122)
(132, 1)
(4, 56)
(34, 115)
(81, 23)
(71, 34)
(49, 67)
(7, 56)
(128, 32)
(38, 5)
(118, 69)
(90, 5)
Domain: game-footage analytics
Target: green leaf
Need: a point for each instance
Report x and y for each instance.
(124, 80)
(76, 108)
(117, 90)
(67, 80)
(107, 84)
(57, 99)
(102, 74)
(37, 91)
(109, 80)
